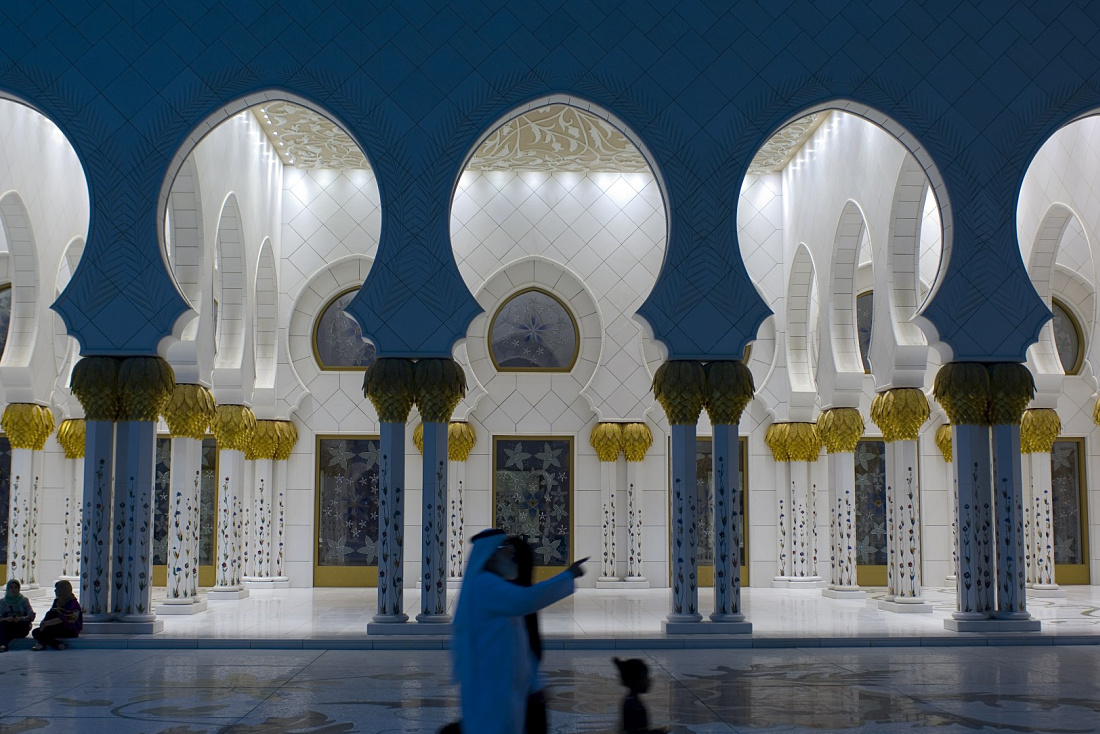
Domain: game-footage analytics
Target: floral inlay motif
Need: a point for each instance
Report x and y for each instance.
(533, 478)
(307, 139)
(347, 534)
(784, 145)
(870, 458)
(533, 330)
(5, 494)
(337, 338)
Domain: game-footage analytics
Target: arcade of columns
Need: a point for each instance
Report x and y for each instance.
(1002, 528)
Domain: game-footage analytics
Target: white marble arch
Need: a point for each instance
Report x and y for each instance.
(840, 370)
(1042, 357)
(266, 325)
(66, 349)
(554, 278)
(800, 319)
(234, 368)
(16, 362)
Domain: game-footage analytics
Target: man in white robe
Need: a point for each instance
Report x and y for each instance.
(492, 657)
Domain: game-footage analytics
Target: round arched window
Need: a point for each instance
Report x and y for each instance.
(5, 315)
(1068, 338)
(865, 318)
(533, 331)
(338, 342)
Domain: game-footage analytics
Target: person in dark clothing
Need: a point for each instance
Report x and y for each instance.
(16, 615)
(536, 722)
(635, 676)
(63, 621)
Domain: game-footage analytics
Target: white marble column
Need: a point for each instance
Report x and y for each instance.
(903, 504)
(727, 529)
(842, 486)
(262, 521)
(456, 539)
(635, 573)
(1011, 602)
(803, 528)
(278, 498)
(433, 547)
(391, 518)
(95, 558)
(22, 518)
(183, 500)
(70, 565)
(973, 479)
(1042, 534)
(227, 559)
(135, 458)
(685, 562)
(608, 482)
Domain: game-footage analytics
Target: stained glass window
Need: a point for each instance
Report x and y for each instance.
(870, 458)
(865, 318)
(704, 506)
(347, 513)
(532, 487)
(533, 330)
(1067, 338)
(5, 497)
(1066, 478)
(337, 339)
(162, 480)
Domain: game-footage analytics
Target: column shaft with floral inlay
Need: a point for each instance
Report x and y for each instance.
(390, 386)
(607, 440)
(840, 430)
(729, 388)
(189, 413)
(440, 384)
(287, 439)
(234, 427)
(70, 434)
(27, 426)
(943, 442)
(680, 387)
(1039, 428)
(259, 565)
(460, 442)
(637, 438)
(795, 446)
(899, 413)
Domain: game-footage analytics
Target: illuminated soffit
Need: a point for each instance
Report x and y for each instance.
(306, 139)
(785, 144)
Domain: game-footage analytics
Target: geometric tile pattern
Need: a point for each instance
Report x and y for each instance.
(974, 88)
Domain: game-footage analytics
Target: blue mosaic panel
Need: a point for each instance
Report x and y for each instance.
(532, 487)
(865, 319)
(337, 339)
(5, 496)
(870, 458)
(704, 486)
(533, 331)
(347, 496)
(1066, 475)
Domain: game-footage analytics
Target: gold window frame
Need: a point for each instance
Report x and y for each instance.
(1076, 323)
(337, 576)
(542, 573)
(1078, 574)
(317, 323)
(207, 573)
(573, 319)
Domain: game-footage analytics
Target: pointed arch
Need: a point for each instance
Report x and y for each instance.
(844, 330)
(184, 233)
(267, 293)
(232, 325)
(800, 362)
(22, 249)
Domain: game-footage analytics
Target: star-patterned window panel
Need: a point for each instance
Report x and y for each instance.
(533, 331)
(1067, 485)
(533, 494)
(347, 502)
(5, 497)
(870, 459)
(162, 501)
(1068, 338)
(338, 342)
(704, 503)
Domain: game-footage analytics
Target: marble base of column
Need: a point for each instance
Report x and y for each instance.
(844, 592)
(121, 627)
(710, 627)
(992, 625)
(906, 605)
(428, 629)
(1047, 591)
(190, 605)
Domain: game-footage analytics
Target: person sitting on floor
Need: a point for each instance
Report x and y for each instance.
(16, 615)
(63, 621)
(635, 676)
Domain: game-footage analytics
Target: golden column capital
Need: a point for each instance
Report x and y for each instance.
(27, 425)
(145, 385)
(1039, 427)
(840, 429)
(264, 442)
(793, 441)
(899, 413)
(390, 386)
(190, 411)
(977, 394)
(637, 438)
(70, 434)
(943, 441)
(418, 437)
(729, 388)
(233, 427)
(607, 439)
(94, 382)
(1012, 388)
(440, 384)
(287, 434)
(460, 440)
(680, 387)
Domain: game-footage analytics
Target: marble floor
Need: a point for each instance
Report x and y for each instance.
(335, 618)
(948, 690)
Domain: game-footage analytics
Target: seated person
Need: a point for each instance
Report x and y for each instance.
(16, 615)
(63, 621)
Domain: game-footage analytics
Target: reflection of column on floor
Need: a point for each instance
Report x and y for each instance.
(991, 584)
(899, 413)
(680, 387)
(461, 439)
(729, 389)
(27, 427)
(840, 430)
(637, 438)
(390, 386)
(943, 442)
(1039, 428)
(70, 434)
(795, 446)
(234, 427)
(607, 440)
(440, 385)
(189, 414)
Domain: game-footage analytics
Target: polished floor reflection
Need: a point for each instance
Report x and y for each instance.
(1013, 689)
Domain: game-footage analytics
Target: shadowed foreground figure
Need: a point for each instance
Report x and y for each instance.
(493, 662)
(63, 621)
(635, 676)
(16, 615)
